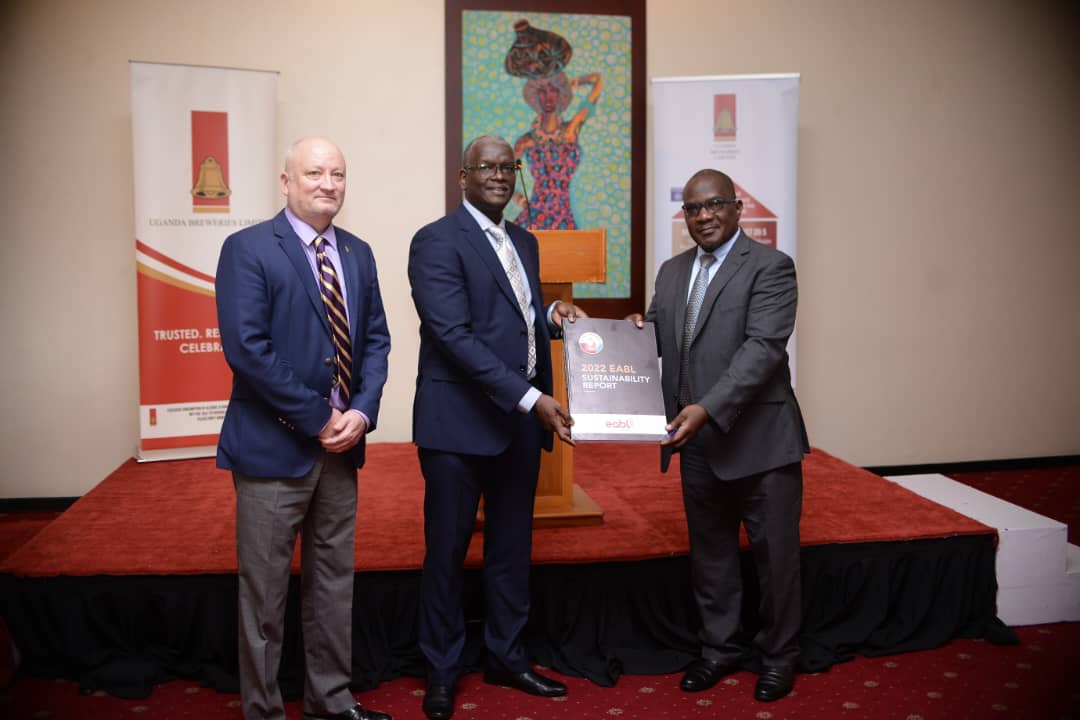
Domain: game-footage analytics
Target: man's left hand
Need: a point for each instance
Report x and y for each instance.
(566, 310)
(554, 417)
(685, 426)
(344, 432)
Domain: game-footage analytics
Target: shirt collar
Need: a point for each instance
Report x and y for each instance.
(721, 252)
(483, 220)
(307, 234)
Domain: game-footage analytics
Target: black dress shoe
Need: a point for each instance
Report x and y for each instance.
(703, 674)
(774, 683)
(356, 712)
(528, 682)
(439, 702)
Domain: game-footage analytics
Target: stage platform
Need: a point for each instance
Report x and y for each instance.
(135, 583)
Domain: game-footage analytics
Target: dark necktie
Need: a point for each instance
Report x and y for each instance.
(513, 274)
(693, 307)
(330, 289)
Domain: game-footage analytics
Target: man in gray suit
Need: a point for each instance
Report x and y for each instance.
(723, 313)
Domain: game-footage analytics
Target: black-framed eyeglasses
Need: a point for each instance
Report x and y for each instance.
(713, 205)
(487, 170)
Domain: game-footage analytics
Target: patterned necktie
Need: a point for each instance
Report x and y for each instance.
(693, 307)
(339, 323)
(513, 273)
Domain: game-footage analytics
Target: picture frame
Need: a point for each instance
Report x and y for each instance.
(583, 154)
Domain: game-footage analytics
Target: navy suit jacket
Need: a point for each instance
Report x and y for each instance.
(473, 339)
(277, 341)
(738, 357)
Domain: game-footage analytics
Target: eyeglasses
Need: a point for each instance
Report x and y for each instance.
(487, 170)
(713, 205)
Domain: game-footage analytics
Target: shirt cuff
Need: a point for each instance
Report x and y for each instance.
(367, 420)
(554, 330)
(525, 404)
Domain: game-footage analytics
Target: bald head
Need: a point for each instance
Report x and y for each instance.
(313, 181)
(486, 140)
(304, 144)
(721, 180)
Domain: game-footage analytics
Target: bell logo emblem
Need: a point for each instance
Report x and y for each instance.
(210, 189)
(211, 181)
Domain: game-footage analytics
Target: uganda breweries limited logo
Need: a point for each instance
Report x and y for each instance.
(724, 125)
(210, 162)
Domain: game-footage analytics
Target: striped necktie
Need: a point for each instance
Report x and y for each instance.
(513, 273)
(693, 307)
(330, 289)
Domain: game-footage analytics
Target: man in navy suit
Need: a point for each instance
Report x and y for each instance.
(483, 409)
(294, 432)
(738, 428)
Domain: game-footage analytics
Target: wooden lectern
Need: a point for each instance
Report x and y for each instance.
(566, 257)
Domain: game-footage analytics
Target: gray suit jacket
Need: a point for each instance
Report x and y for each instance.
(738, 358)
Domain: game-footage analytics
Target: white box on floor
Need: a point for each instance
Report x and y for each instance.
(1031, 556)
(1039, 604)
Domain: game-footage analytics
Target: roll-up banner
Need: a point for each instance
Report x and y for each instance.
(204, 153)
(747, 127)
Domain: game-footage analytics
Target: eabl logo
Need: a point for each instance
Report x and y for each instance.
(591, 343)
(620, 424)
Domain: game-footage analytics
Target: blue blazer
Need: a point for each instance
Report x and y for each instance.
(473, 339)
(277, 341)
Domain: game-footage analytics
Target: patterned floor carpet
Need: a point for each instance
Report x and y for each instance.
(966, 679)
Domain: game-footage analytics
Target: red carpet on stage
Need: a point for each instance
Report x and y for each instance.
(135, 583)
(177, 518)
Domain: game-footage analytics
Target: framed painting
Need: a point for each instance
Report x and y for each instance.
(564, 84)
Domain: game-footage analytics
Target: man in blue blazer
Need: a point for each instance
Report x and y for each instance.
(303, 330)
(738, 428)
(482, 411)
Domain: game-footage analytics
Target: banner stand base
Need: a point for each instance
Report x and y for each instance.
(185, 453)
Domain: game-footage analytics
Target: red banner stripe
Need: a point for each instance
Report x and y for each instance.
(165, 259)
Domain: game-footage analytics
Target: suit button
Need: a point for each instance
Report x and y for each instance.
(328, 361)
(521, 368)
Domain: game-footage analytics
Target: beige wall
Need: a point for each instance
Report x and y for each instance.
(938, 250)
(937, 166)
